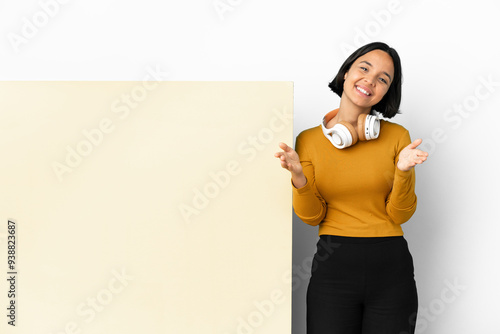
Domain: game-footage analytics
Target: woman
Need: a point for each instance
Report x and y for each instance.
(353, 176)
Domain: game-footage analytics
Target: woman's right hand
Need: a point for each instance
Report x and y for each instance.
(289, 160)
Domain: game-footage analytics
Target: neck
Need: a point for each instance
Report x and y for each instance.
(348, 112)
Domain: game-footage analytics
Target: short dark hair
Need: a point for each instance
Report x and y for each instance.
(389, 105)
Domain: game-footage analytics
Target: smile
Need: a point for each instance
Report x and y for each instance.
(362, 91)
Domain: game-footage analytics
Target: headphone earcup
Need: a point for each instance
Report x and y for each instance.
(344, 135)
(368, 127)
(361, 126)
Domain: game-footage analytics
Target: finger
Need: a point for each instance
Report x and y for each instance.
(286, 165)
(284, 160)
(279, 154)
(285, 147)
(279, 157)
(422, 153)
(415, 143)
(418, 157)
(420, 160)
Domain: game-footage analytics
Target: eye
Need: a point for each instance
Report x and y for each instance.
(364, 69)
(383, 80)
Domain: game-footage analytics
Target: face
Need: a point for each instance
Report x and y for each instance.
(369, 79)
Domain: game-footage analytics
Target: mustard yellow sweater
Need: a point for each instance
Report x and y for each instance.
(357, 191)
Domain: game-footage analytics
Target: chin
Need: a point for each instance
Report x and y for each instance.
(365, 104)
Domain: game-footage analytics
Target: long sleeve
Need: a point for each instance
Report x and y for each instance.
(308, 203)
(402, 201)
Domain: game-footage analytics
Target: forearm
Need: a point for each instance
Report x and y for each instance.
(402, 201)
(308, 204)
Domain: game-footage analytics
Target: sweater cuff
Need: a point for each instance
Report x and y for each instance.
(301, 190)
(402, 174)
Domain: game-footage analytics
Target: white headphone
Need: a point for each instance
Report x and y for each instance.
(343, 134)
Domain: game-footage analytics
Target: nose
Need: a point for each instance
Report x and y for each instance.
(370, 79)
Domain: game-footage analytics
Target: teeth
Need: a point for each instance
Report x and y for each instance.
(362, 91)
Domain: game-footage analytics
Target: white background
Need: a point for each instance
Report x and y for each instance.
(449, 49)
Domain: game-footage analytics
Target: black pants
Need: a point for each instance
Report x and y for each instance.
(361, 286)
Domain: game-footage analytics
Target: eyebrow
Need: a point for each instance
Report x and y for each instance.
(364, 61)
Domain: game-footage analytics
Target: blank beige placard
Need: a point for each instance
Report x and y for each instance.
(146, 207)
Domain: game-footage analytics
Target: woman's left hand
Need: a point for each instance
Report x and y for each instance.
(411, 156)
